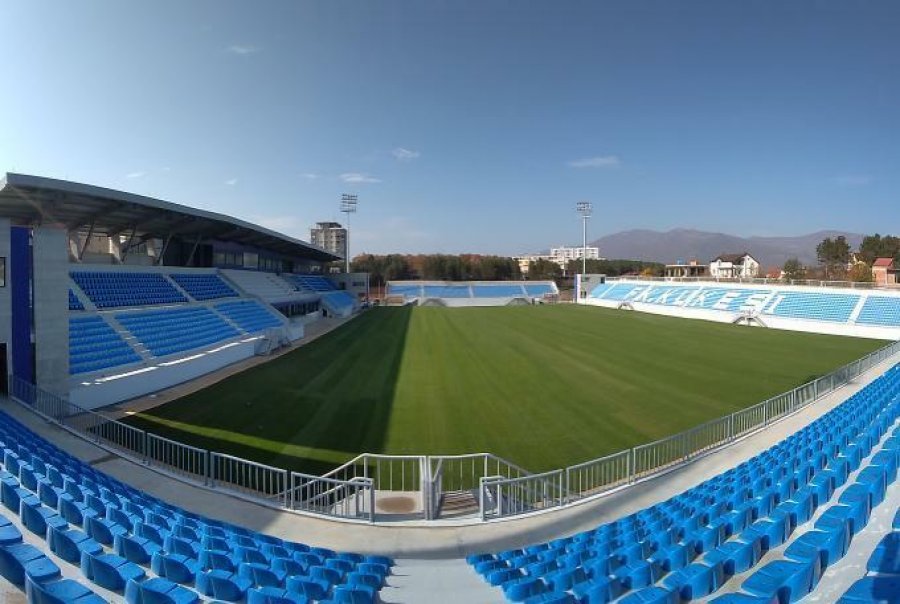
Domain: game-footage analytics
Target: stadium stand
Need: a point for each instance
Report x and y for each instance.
(267, 286)
(203, 286)
(340, 302)
(446, 291)
(95, 345)
(880, 310)
(825, 306)
(74, 302)
(688, 546)
(313, 283)
(498, 291)
(145, 550)
(168, 331)
(116, 289)
(502, 291)
(538, 289)
(815, 306)
(249, 315)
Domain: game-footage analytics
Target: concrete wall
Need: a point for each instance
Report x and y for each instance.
(5, 299)
(92, 394)
(51, 309)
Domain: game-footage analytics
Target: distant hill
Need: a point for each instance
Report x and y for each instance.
(684, 244)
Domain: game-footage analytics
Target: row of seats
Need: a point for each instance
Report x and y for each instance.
(880, 310)
(500, 289)
(169, 331)
(95, 345)
(686, 547)
(340, 302)
(74, 302)
(116, 289)
(882, 580)
(249, 315)
(830, 306)
(203, 286)
(146, 550)
(313, 283)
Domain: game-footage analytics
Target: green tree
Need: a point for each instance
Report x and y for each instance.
(876, 246)
(833, 255)
(542, 269)
(860, 272)
(793, 270)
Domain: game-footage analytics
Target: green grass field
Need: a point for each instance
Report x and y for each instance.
(542, 386)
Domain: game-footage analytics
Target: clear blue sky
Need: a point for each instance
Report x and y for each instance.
(467, 125)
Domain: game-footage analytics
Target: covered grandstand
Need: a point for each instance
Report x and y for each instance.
(110, 287)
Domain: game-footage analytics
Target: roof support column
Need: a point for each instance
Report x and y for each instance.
(162, 253)
(194, 250)
(87, 239)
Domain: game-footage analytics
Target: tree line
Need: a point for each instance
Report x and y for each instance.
(838, 262)
(475, 267)
(442, 267)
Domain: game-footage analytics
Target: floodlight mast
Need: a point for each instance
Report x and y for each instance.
(348, 206)
(584, 208)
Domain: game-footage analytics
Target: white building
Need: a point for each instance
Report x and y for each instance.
(734, 266)
(561, 255)
(330, 236)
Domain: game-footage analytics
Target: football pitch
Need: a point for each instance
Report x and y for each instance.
(543, 386)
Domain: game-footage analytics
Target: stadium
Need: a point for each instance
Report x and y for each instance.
(197, 411)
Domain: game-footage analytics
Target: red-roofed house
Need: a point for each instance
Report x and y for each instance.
(883, 271)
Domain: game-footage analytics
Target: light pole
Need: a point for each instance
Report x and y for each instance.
(348, 206)
(584, 208)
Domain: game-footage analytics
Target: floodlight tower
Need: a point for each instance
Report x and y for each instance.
(584, 209)
(348, 206)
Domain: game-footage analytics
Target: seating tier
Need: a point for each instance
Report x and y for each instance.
(95, 345)
(249, 315)
(167, 331)
(203, 286)
(117, 289)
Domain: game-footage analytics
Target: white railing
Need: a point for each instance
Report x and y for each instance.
(248, 477)
(176, 457)
(501, 488)
(352, 499)
(502, 497)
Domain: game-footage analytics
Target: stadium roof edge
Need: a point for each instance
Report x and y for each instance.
(32, 200)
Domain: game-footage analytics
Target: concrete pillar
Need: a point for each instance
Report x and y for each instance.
(51, 309)
(5, 298)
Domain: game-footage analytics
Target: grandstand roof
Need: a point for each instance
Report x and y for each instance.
(36, 200)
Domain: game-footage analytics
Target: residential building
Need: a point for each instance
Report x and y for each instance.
(330, 236)
(562, 254)
(884, 272)
(734, 266)
(691, 269)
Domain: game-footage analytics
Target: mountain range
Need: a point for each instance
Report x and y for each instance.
(684, 244)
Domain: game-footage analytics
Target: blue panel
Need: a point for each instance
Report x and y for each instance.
(20, 292)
